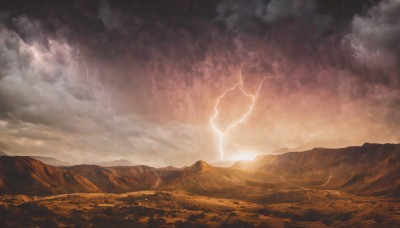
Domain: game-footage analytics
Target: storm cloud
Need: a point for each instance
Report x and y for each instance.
(375, 36)
(88, 81)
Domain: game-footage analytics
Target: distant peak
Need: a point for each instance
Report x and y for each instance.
(119, 162)
(369, 144)
(200, 165)
(200, 162)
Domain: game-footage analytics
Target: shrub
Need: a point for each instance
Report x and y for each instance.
(343, 217)
(49, 223)
(263, 211)
(327, 221)
(195, 217)
(156, 222)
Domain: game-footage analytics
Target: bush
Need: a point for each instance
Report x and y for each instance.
(156, 222)
(343, 217)
(237, 224)
(313, 215)
(327, 221)
(195, 217)
(33, 208)
(108, 211)
(263, 211)
(49, 223)
(215, 219)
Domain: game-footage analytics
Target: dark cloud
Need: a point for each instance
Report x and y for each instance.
(375, 36)
(49, 103)
(110, 17)
(240, 14)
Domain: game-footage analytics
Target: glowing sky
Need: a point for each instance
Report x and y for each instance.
(87, 81)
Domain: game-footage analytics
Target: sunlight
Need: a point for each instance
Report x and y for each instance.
(245, 155)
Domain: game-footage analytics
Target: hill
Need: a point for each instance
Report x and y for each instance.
(371, 169)
(50, 161)
(24, 175)
(121, 162)
(199, 178)
(204, 179)
(118, 179)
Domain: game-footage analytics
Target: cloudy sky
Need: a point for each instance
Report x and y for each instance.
(89, 81)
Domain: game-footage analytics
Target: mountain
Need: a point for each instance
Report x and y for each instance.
(371, 169)
(3, 154)
(199, 178)
(121, 162)
(118, 179)
(50, 161)
(204, 179)
(25, 175)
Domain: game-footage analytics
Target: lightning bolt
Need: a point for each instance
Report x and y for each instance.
(99, 85)
(75, 67)
(221, 133)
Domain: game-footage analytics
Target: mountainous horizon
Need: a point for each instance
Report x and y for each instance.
(124, 162)
(371, 169)
(355, 175)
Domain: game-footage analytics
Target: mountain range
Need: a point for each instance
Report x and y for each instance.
(51, 161)
(25, 175)
(120, 162)
(368, 170)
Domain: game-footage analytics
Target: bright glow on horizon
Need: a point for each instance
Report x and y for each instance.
(245, 155)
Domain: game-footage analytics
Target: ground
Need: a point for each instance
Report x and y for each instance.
(182, 209)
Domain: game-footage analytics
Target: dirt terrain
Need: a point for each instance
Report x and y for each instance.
(322, 208)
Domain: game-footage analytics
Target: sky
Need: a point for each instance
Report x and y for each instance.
(91, 81)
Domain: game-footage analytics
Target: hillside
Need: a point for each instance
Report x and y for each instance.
(50, 161)
(199, 178)
(118, 179)
(24, 175)
(204, 179)
(120, 162)
(371, 169)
